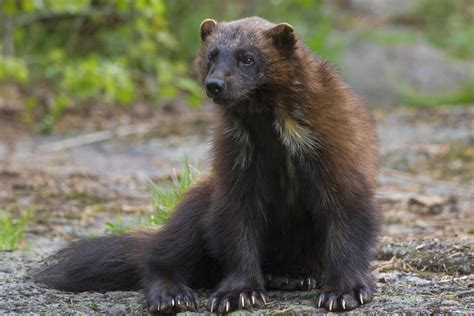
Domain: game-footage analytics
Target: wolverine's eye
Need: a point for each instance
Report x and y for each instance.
(213, 55)
(247, 60)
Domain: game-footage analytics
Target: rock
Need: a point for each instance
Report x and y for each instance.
(384, 7)
(425, 204)
(422, 204)
(119, 309)
(431, 204)
(379, 73)
(414, 280)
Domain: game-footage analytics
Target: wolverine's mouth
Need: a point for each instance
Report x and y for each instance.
(223, 101)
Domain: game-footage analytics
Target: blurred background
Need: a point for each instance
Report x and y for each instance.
(58, 55)
(103, 126)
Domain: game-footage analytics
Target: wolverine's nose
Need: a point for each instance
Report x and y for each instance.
(214, 87)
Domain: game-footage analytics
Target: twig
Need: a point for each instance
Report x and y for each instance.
(96, 137)
(458, 279)
(28, 19)
(394, 263)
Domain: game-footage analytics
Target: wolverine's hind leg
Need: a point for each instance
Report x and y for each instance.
(288, 276)
(174, 254)
(291, 262)
(288, 282)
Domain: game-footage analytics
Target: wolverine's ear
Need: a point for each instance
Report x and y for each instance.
(283, 36)
(207, 27)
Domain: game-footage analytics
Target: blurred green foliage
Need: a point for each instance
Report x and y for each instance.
(311, 18)
(64, 52)
(389, 37)
(14, 68)
(449, 24)
(67, 52)
(461, 96)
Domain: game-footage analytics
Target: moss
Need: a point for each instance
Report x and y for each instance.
(390, 36)
(448, 24)
(84, 197)
(462, 96)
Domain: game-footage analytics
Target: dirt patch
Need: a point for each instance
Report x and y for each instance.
(448, 257)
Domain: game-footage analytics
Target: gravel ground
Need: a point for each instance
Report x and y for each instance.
(424, 263)
(401, 288)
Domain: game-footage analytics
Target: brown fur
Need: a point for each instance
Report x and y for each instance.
(290, 192)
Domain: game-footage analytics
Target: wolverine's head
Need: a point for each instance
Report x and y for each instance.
(239, 60)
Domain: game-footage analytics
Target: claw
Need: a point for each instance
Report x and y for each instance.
(242, 300)
(361, 299)
(343, 304)
(330, 305)
(253, 299)
(178, 302)
(212, 304)
(172, 302)
(309, 282)
(320, 301)
(227, 306)
(301, 282)
(263, 298)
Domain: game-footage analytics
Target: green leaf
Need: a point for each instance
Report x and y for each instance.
(13, 68)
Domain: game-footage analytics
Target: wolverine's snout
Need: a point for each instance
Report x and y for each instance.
(215, 87)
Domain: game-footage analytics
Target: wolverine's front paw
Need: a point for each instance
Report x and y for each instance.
(344, 301)
(167, 297)
(239, 299)
(235, 294)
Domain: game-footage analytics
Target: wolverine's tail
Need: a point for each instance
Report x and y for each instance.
(101, 263)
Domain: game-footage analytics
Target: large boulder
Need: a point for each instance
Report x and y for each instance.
(383, 74)
(383, 7)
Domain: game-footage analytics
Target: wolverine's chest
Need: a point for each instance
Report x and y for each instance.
(267, 161)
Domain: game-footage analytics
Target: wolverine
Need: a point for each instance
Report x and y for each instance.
(288, 202)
